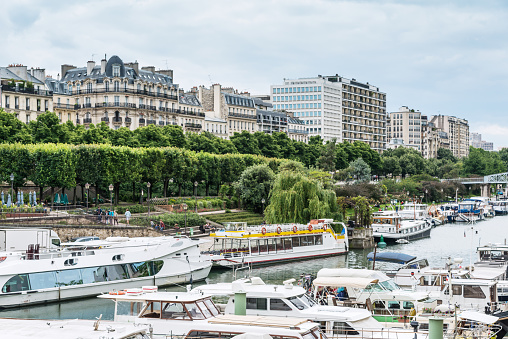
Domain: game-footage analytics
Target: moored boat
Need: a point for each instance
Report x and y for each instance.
(90, 268)
(239, 244)
(389, 225)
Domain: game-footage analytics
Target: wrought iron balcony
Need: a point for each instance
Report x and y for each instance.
(151, 122)
(141, 121)
(128, 120)
(192, 125)
(87, 120)
(105, 119)
(77, 122)
(117, 120)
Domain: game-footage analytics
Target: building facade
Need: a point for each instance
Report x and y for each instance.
(23, 92)
(458, 133)
(405, 127)
(121, 95)
(475, 140)
(334, 107)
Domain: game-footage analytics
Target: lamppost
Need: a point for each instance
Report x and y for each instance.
(196, 194)
(111, 194)
(185, 209)
(12, 186)
(171, 181)
(263, 203)
(87, 187)
(456, 195)
(148, 185)
(426, 196)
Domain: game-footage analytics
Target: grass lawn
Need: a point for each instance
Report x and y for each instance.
(249, 217)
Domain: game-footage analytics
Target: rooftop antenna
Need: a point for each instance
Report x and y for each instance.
(166, 61)
(93, 56)
(210, 78)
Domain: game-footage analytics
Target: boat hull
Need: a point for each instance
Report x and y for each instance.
(393, 237)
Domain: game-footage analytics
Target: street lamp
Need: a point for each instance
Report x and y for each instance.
(196, 194)
(87, 187)
(456, 195)
(426, 196)
(171, 181)
(111, 194)
(263, 203)
(148, 185)
(185, 209)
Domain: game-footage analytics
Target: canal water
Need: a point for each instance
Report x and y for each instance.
(458, 240)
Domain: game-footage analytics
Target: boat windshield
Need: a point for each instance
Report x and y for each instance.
(389, 285)
(316, 333)
(299, 303)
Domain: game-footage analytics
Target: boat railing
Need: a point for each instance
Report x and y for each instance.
(54, 255)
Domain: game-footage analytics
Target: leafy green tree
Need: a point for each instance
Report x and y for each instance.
(360, 170)
(245, 143)
(391, 166)
(285, 145)
(12, 130)
(446, 154)
(267, 145)
(47, 128)
(254, 185)
(295, 198)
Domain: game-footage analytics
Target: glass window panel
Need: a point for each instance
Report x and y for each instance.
(42, 280)
(194, 311)
(116, 272)
(16, 284)
(153, 310)
(69, 277)
(93, 274)
(279, 305)
(139, 269)
(256, 304)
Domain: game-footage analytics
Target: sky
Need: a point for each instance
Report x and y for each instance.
(438, 57)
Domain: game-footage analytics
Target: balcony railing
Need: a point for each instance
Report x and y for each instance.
(141, 121)
(299, 131)
(87, 120)
(161, 123)
(151, 122)
(7, 88)
(241, 115)
(87, 105)
(16, 106)
(105, 119)
(66, 106)
(115, 104)
(77, 122)
(124, 90)
(192, 125)
(7, 105)
(117, 120)
(128, 120)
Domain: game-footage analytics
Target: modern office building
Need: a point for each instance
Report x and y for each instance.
(23, 92)
(475, 140)
(334, 107)
(458, 133)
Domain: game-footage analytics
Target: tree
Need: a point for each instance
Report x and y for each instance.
(360, 170)
(12, 130)
(327, 159)
(295, 198)
(245, 143)
(254, 185)
(446, 154)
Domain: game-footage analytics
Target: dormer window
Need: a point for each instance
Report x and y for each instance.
(116, 70)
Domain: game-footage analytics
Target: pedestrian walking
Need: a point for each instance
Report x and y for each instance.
(127, 216)
(115, 217)
(161, 225)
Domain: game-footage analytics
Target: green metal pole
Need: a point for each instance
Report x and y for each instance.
(240, 303)
(435, 328)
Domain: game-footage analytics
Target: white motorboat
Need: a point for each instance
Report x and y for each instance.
(239, 244)
(500, 206)
(72, 328)
(90, 268)
(292, 301)
(194, 315)
(389, 225)
(413, 210)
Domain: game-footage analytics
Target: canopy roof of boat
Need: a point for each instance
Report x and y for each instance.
(344, 282)
(399, 258)
(479, 317)
(353, 273)
(253, 320)
(253, 290)
(157, 296)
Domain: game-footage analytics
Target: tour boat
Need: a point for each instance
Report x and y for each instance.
(71, 328)
(287, 300)
(90, 268)
(194, 315)
(239, 244)
(389, 225)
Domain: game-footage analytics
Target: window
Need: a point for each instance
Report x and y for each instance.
(457, 289)
(473, 292)
(116, 70)
(116, 86)
(69, 277)
(42, 280)
(16, 284)
(256, 304)
(278, 305)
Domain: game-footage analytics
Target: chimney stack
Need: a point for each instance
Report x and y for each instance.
(103, 65)
(149, 69)
(39, 73)
(89, 67)
(65, 68)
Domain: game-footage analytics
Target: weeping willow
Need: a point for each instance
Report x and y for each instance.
(295, 198)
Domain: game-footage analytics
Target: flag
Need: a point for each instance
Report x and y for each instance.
(464, 234)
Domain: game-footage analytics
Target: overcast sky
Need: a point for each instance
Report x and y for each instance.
(439, 57)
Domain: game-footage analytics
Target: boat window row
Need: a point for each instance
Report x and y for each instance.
(468, 291)
(78, 276)
(275, 304)
(201, 309)
(269, 245)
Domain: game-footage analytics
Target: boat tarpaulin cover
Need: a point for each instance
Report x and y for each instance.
(479, 317)
(344, 282)
(399, 258)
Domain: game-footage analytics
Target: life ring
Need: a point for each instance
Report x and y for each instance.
(279, 230)
(117, 293)
(295, 229)
(310, 227)
(263, 231)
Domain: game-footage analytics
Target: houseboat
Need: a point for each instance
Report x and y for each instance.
(239, 244)
(89, 268)
(389, 225)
